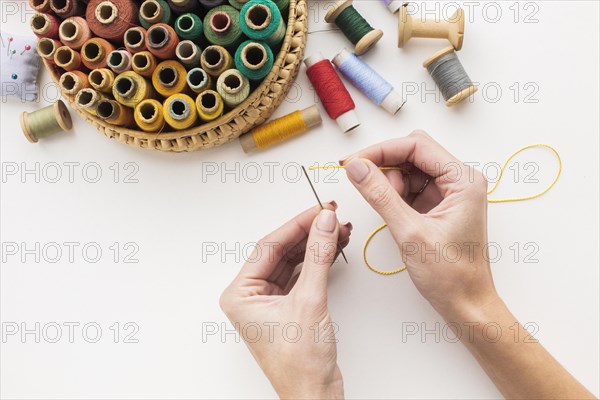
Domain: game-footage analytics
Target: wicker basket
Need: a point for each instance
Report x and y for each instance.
(253, 111)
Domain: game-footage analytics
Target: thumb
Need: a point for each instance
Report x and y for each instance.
(380, 194)
(321, 249)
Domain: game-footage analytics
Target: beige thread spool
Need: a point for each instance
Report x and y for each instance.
(452, 29)
(34, 127)
(72, 82)
(87, 99)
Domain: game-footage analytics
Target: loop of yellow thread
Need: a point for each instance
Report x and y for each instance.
(490, 191)
(279, 130)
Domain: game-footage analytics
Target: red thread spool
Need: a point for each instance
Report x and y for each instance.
(162, 41)
(135, 39)
(45, 26)
(67, 8)
(74, 32)
(331, 90)
(94, 53)
(41, 6)
(110, 19)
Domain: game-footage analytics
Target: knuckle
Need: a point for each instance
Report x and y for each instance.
(480, 183)
(324, 253)
(380, 196)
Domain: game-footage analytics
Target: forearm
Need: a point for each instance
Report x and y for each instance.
(518, 364)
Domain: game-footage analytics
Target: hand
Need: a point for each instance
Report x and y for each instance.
(285, 322)
(442, 231)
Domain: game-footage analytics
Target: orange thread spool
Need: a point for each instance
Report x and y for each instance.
(162, 41)
(94, 53)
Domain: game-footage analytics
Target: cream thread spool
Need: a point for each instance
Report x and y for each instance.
(188, 53)
(452, 29)
(450, 76)
(87, 100)
(46, 121)
(102, 80)
(72, 82)
(367, 41)
(46, 48)
(233, 87)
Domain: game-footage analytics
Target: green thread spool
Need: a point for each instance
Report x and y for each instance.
(222, 27)
(233, 87)
(354, 26)
(189, 27)
(283, 5)
(254, 60)
(46, 121)
(236, 4)
(155, 12)
(262, 20)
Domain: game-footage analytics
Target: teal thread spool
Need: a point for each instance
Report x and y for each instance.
(189, 27)
(46, 121)
(354, 26)
(222, 27)
(155, 12)
(262, 20)
(254, 60)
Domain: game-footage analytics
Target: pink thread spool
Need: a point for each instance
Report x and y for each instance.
(74, 32)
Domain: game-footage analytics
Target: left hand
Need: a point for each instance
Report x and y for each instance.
(285, 322)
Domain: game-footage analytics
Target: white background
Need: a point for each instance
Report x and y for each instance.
(175, 209)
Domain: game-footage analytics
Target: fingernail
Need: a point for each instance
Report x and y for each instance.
(333, 204)
(357, 169)
(341, 161)
(326, 221)
(348, 225)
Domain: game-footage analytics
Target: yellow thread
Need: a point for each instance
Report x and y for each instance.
(279, 130)
(174, 73)
(130, 88)
(209, 105)
(179, 111)
(148, 115)
(490, 191)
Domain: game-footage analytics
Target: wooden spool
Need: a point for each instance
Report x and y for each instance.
(367, 41)
(452, 29)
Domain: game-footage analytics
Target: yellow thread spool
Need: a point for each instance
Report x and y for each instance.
(210, 105)
(67, 58)
(72, 82)
(46, 121)
(215, 60)
(169, 78)
(130, 88)
(179, 111)
(148, 115)
(114, 113)
(144, 63)
(87, 99)
(102, 80)
(281, 129)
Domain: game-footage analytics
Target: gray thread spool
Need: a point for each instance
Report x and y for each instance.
(450, 76)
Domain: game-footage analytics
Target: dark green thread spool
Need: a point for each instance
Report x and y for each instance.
(354, 26)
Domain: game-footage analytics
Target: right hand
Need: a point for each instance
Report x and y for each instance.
(441, 232)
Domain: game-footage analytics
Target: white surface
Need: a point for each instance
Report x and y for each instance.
(171, 212)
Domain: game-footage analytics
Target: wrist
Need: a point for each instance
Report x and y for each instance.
(333, 390)
(483, 310)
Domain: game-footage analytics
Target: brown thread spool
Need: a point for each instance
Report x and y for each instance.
(110, 19)
(135, 39)
(67, 59)
(188, 53)
(46, 121)
(114, 113)
(162, 41)
(41, 6)
(74, 32)
(215, 60)
(102, 80)
(72, 82)
(452, 29)
(94, 53)
(46, 48)
(44, 25)
(143, 63)
(87, 99)
(67, 8)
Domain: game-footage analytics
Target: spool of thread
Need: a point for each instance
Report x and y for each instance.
(215, 60)
(233, 87)
(87, 100)
(368, 81)
(198, 80)
(450, 76)
(94, 53)
(281, 129)
(169, 78)
(184, 6)
(72, 82)
(393, 5)
(189, 27)
(452, 29)
(331, 90)
(222, 27)
(143, 63)
(283, 5)
(148, 115)
(44, 26)
(155, 12)
(261, 20)
(110, 19)
(162, 41)
(67, 8)
(354, 26)
(188, 53)
(179, 111)
(46, 121)
(254, 60)
(130, 89)
(40, 6)
(119, 61)
(114, 113)
(209, 105)
(67, 58)
(46, 48)
(237, 4)
(74, 32)
(208, 4)
(102, 80)
(135, 39)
